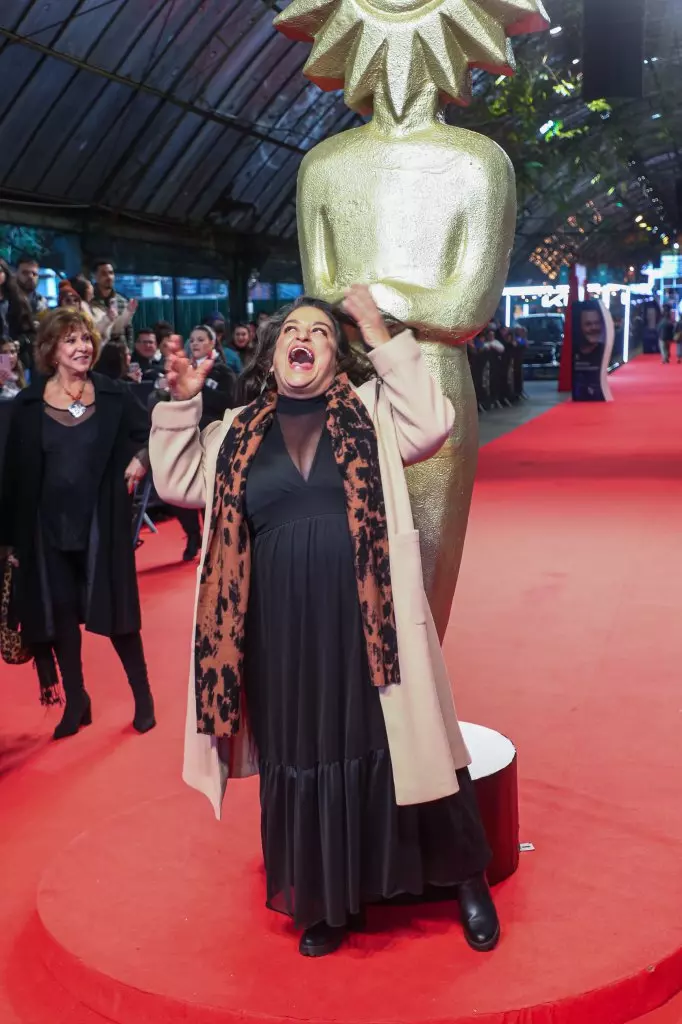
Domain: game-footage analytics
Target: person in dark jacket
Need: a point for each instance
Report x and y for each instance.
(220, 387)
(147, 355)
(219, 393)
(76, 449)
(16, 321)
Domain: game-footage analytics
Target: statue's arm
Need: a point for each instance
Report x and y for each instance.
(476, 258)
(316, 242)
(488, 227)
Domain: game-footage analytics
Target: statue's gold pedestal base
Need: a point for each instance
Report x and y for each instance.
(441, 488)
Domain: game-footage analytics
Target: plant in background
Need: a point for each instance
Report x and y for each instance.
(15, 239)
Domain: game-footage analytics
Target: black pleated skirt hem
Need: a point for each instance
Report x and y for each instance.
(334, 839)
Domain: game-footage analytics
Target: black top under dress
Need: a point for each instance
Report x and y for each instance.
(333, 837)
(67, 499)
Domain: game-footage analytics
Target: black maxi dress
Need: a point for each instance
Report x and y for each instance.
(333, 836)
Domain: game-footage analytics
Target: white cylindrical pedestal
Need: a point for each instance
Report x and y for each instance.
(493, 770)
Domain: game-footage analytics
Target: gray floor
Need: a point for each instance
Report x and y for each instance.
(542, 396)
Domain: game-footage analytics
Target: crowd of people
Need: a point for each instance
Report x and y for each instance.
(141, 348)
(138, 353)
(496, 361)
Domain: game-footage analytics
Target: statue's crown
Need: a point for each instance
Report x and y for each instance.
(405, 45)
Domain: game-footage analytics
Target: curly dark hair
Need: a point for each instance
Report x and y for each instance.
(256, 372)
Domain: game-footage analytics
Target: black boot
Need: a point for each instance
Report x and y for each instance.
(321, 939)
(129, 649)
(144, 719)
(193, 547)
(78, 712)
(479, 917)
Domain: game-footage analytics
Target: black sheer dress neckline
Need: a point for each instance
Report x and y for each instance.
(301, 422)
(300, 406)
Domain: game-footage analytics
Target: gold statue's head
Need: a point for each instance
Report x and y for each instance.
(402, 46)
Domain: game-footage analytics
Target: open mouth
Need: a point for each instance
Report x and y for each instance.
(301, 357)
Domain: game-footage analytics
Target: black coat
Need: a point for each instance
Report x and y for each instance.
(113, 605)
(218, 394)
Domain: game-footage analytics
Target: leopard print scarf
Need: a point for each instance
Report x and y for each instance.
(224, 586)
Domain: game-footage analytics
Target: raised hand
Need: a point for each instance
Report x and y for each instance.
(364, 310)
(185, 380)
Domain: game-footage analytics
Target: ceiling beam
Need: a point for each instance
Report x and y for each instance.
(226, 120)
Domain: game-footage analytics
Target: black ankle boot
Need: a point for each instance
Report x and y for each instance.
(193, 547)
(78, 712)
(144, 719)
(321, 939)
(479, 917)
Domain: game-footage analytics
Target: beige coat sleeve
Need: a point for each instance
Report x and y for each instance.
(178, 452)
(422, 415)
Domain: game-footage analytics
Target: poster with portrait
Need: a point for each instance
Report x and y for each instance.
(593, 335)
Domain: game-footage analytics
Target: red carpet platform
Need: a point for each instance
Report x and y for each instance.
(129, 903)
(158, 916)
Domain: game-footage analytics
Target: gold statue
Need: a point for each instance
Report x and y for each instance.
(421, 211)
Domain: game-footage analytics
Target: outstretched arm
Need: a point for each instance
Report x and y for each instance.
(178, 452)
(176, 448)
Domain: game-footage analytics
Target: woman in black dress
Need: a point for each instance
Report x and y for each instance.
(76, 448)
(312, 510)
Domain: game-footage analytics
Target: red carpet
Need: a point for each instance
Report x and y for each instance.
(564, 636)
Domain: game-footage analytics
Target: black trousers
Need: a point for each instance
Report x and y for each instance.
(189, 520)
(67, 581)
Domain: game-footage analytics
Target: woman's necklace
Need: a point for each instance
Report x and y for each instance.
(76, 408)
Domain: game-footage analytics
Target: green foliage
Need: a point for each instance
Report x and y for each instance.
(15, 240)
(550, 134)
(599, 107)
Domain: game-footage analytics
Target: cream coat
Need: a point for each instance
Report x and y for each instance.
(412, 420)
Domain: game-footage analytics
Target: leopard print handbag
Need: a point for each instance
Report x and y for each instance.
(12, 650)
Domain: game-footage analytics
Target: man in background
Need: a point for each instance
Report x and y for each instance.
(147, 354)
(666, 333)
(28, 276)
(117, 307)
